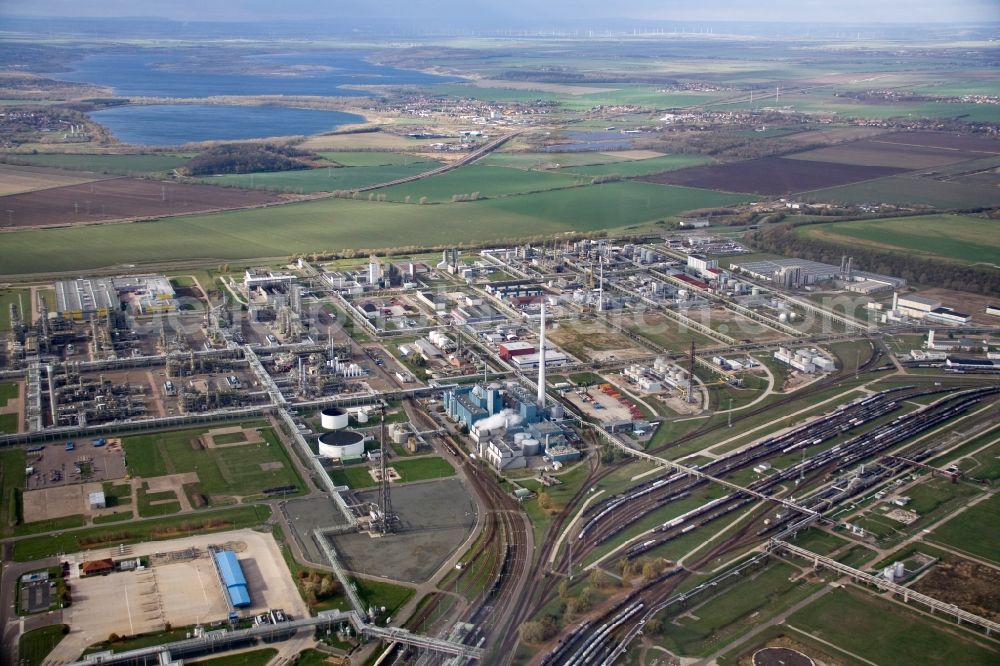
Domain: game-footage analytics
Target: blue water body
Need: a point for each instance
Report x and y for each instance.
(172, 75)
(172, 124)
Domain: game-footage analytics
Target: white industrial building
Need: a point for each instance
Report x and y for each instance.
(97, 500)
(694, 223)
(255, 278)
(805, 360)
(948, 316)
(531, 361)
(913, 305)
(701, 264)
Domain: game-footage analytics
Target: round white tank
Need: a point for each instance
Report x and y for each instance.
(333, 418)
(783, 317)
(400, 435)
(341, 444)
(362, 416)
(520, 436)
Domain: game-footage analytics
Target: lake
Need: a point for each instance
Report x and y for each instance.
(169, 75)
(164, 74)
(172, 124)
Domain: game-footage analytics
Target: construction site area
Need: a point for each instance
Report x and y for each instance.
(434, 518)
(180, 586)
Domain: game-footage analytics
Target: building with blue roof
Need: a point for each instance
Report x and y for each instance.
(233, 579)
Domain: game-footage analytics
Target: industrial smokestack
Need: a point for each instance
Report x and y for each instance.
(541, 360)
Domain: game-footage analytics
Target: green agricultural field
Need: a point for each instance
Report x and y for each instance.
(911, 189)
(325, 179)
(223, 472)
(544, 160)
(640, 167)
(38, 547)
(485, 181)
(612, 204)
(956, 237)
(966, 530)
(339, 224)
(822, 100)
(370, 159)
(849, 619)
(122, 165)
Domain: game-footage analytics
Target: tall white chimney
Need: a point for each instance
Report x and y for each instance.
(541, 360)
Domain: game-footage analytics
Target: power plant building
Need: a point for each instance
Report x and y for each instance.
(470, 404)
(231, 574)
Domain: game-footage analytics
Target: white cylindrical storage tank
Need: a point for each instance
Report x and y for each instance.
(529, 447)
(341, 444)
(333, 418)
(400, 434)
(900, 570)
(362, 416)
(783, 317)
(520, 436)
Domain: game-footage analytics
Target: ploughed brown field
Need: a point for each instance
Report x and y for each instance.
(974, 143)
(771, 175)
(121, 198)
(906, 150)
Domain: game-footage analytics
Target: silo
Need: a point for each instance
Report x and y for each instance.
(333, 418)
(341, 444)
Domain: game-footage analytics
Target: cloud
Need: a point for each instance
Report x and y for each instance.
(521, 12)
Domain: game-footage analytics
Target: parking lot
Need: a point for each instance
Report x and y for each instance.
(53, 465)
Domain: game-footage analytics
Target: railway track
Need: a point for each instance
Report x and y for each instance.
(579, 649)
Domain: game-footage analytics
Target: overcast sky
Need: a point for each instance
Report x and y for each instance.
(852, 12)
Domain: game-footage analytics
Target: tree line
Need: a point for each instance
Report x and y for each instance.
(785, 240)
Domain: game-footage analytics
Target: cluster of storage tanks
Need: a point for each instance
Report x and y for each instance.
(339, 442)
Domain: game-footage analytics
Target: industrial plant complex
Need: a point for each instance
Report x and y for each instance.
(385, 380)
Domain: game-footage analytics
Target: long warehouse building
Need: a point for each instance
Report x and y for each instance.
(232, 578)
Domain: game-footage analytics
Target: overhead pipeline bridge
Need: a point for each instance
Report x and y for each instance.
(882, 584)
